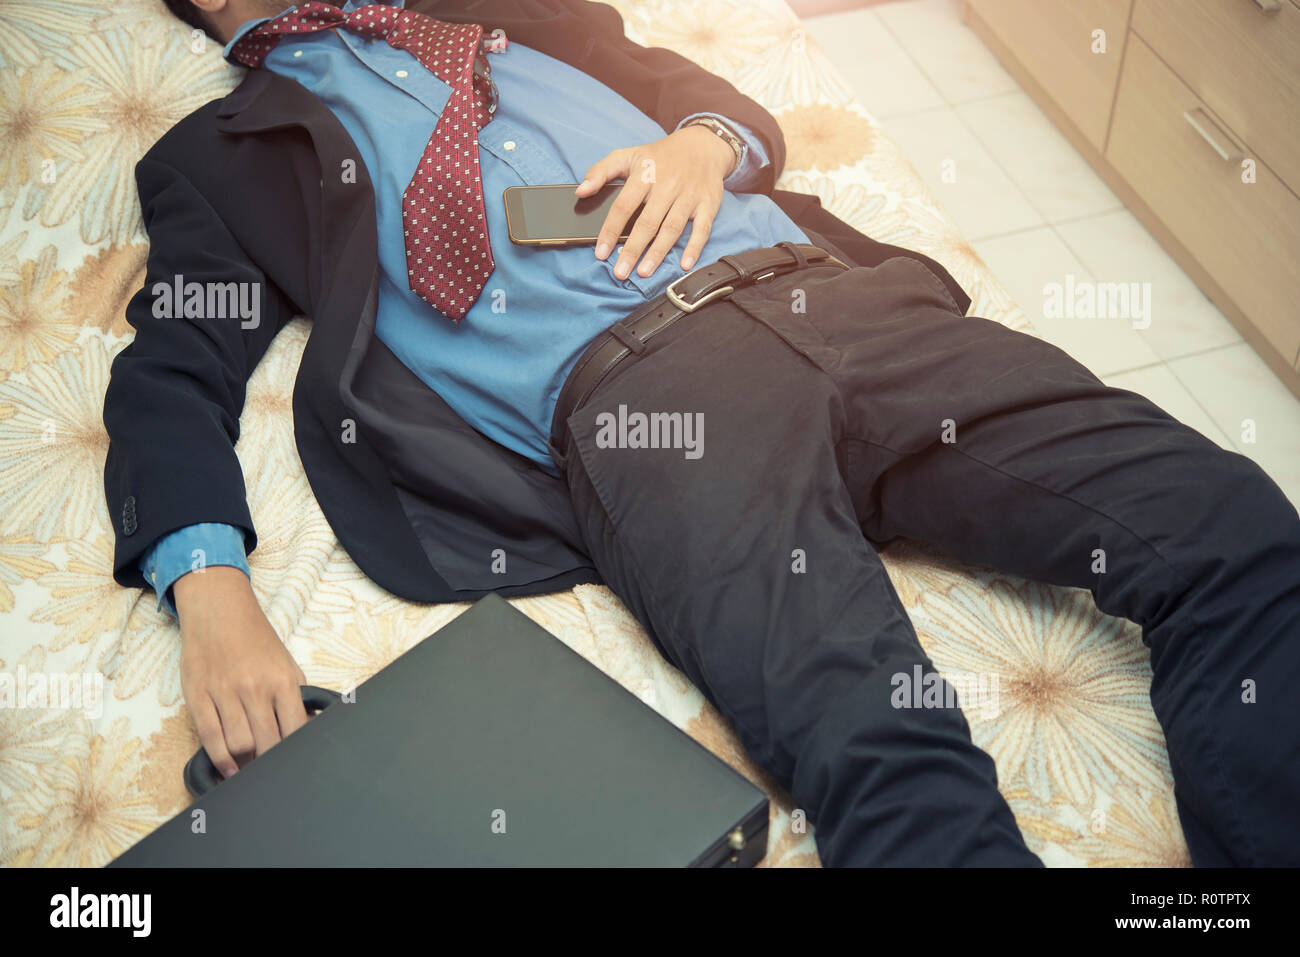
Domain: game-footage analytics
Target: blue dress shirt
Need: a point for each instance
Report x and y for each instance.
(502, 367)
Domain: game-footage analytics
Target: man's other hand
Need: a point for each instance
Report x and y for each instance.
(240, 682)
(679, 178)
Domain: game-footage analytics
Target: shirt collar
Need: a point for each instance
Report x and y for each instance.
(348, 6)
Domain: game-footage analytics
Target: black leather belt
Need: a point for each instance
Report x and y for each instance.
(685, 295)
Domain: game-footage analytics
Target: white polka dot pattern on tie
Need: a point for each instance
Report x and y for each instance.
(447, 266)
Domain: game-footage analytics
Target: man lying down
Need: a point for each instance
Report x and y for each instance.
(464, 395)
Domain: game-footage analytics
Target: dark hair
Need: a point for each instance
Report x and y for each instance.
(190, 14)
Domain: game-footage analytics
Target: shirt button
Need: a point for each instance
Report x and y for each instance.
(509, 144)
(402, 74)
(297, 53)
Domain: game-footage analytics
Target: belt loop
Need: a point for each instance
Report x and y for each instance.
(800, 260)
(626, 336)
(741, 272)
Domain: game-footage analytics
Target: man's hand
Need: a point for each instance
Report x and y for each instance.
(679, 178)
(239, 681)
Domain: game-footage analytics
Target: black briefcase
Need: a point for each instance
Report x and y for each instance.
(490, 743)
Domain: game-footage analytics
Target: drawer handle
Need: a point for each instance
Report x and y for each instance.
(1267, 6)
(1211, 133)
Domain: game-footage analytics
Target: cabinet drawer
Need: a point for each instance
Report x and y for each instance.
(1053, 42)
(1245, 235)
(1244, 63)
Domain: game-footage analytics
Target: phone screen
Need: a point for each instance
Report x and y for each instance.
(552, 214)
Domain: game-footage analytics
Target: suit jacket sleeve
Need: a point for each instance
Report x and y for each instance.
(175, 393)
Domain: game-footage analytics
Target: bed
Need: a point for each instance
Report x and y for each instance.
(86, 86)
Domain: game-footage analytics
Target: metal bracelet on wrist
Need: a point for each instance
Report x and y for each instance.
(723, 132)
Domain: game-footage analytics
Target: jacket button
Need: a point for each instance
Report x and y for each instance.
(129, 523)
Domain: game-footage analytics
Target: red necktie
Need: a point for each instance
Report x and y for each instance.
(448, 259)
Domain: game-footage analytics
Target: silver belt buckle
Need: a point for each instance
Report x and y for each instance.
(685, 306)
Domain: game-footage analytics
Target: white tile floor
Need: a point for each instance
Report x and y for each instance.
(1036, 212)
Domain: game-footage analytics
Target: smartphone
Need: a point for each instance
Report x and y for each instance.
(553, 216)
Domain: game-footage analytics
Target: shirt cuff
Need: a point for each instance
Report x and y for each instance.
(753, 153)
(189, 549)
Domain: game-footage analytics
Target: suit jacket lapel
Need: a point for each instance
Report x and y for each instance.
(344, 248)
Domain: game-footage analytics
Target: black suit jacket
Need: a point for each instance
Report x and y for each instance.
(247, 189)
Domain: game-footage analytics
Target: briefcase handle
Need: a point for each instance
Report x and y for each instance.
(201, 774)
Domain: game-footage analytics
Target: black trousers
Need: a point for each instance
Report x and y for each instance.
(843, 409)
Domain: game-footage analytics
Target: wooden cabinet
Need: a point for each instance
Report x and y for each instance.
(1242, 63)
(1055, 39)
(1248, 231)
(1192, 115)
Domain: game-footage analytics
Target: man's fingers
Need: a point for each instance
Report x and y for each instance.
(625, 204)
(259, 707)
(647, 225)
(701, 226)
(672, 227)
(234, 726)
(289, 710)
(208, 725)
(613, 166)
